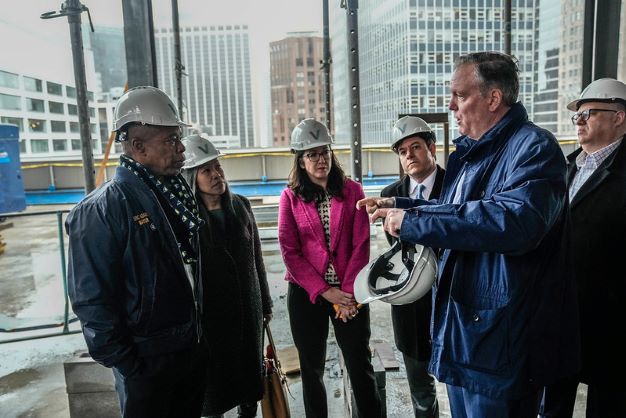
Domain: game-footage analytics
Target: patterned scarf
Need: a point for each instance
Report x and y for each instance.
(176, 192)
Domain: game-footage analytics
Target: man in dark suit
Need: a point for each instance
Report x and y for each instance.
(597, 194)
(414, 142)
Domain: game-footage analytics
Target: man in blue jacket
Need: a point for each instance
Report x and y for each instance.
(133, 266)
(504, 318)
(414, 142)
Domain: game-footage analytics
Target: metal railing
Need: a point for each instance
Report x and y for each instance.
(66, 315)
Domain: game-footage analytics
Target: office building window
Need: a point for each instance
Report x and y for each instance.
(9, 80)
(13, 121)
(36, 125)
(74, 127)
(39, 145)
(10, 102)
(76, 146)
(34, 105)
(56, 107)
(72, 109)
(57, 126)
(59, 145)
(70, 91)
(32, 84)
(54, 88)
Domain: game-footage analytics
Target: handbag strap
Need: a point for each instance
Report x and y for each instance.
(266, 326)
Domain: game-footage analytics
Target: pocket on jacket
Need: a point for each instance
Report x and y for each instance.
(478, 338)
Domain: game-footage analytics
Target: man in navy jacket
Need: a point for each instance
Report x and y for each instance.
(505, 318)
(133, 266)
(414, 142)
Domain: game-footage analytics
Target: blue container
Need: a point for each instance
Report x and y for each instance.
(12, 196)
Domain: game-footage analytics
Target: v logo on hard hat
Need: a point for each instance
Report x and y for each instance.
(204, 148)
(315, 135)
(401, 128)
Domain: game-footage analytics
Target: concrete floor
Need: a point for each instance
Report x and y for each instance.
(31, 291)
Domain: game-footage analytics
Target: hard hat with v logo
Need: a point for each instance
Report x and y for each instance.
(408, 126)
(199, 150)
(310, 134)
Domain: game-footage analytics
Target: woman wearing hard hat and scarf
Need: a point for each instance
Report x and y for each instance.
(324, 241)
(236, 294)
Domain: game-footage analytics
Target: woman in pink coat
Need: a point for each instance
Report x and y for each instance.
(324, 241)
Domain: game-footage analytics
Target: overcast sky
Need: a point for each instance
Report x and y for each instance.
(46, 42)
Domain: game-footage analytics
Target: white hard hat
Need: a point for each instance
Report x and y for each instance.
(408, 126)
(402, 275)
(602, 90)
(199, 150)
(308, 134)
(147, 105)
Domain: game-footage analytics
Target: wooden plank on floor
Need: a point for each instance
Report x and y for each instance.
(6, 225)
(289, 361)
(385, 352)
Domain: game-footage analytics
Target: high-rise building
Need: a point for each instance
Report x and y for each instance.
(570, 61)
(546, 108)
(296, 82)
(216, 88)
(109, 55)
(407, 50)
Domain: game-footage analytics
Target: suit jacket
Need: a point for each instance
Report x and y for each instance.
(598, 214)
(411, 323)
(303, 244)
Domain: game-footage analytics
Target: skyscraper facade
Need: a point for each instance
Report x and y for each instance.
(296, 83)
(216, 88)
(546, 104)
(570, 61)
(407, 50)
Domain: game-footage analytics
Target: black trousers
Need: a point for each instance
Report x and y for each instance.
(422, 385)
(168, 386)
(309, 327)
(603, 400)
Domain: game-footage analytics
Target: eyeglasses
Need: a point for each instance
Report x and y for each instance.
(585, 114)
(315, 156)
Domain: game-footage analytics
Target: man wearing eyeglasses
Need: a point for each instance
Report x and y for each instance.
(597, 195)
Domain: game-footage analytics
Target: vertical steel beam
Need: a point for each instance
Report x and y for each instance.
(74, 8)
(326, 64)
(178, 63)
(601, 39)
(507, 27)
(139, 42)
(352, 7)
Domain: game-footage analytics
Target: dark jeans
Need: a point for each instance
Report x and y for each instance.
(168, 386)
(422, 385)
(603, 401)
(309, 327)
(466, 404)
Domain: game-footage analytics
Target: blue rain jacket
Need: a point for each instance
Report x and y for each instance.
(505, 317)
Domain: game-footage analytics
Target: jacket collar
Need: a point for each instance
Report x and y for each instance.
(599, 175)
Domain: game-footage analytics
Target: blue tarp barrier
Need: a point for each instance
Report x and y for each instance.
(12, 196)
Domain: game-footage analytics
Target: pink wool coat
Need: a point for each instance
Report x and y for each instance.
(303, 246)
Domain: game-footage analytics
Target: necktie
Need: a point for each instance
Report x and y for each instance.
(420, 191)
